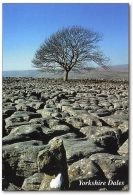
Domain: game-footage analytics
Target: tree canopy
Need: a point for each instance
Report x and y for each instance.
(70, 49)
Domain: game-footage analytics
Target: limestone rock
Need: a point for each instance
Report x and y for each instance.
(91, 120)
(103, 136)
(114, 167)
(115, 120)
(25, 133)
(78, 148)
(45, 184)
(52, 162)
(49, 125)
(33, 182)
(83, 171)
(9, 110)
(19, 118)
(12, 187)
(124, 149)
(75, 122)
(55, 131)
(125, 188)
(20, 159)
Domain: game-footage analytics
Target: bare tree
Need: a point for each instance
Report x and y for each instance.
(71, 48)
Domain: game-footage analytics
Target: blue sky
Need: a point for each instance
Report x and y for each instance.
(25, 27)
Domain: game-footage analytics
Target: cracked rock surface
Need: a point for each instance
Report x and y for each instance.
(68, 135)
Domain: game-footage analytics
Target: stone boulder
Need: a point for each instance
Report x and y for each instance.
(36, 105)
(88, 119)
(33, 182)
(20, 160)
(48, 111)
(124, 149)
(82, 171)
(52, 162)
(55, 131)
(19, 118)
(24, 107)
(101, 113)
(8, 110)
(114, 167)
(104, 136)
(12, 187)
(115, 120)
(25, 133)
(78, 148)
(124, 127)
(76, 122)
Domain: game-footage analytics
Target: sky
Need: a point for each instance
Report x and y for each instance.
(25, 26)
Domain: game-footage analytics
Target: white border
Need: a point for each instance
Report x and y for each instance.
(131, 93)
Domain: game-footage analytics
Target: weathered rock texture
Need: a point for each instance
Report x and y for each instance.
(65, 135)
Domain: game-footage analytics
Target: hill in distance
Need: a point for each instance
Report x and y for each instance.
(117, 68)
(115, 72)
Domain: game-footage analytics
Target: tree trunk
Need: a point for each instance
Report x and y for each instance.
(65, 75)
